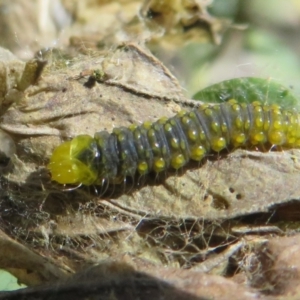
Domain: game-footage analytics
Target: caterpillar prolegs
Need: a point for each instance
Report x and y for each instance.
(172, 143)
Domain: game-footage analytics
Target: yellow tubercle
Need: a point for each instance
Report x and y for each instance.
(215, 126)
(218, 144)
(238, 139)
(178, 161)
(143, 168)
(276, 137)
(259, 122)
(208, 112)
(236, 107)
(238, 122)
(175, 143)
(159, 164)
(133, 127)
(257, 138)
(224, 128)
(168, 127)
(290, 141)
(232, 101)
(147, 125)
(197, 153)
(192, 134)
(185, 120)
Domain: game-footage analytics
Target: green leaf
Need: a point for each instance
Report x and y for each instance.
(247, 90)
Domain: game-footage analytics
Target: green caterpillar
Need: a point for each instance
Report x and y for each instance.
(172, 143)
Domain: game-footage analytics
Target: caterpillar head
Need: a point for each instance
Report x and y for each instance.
(75, 161)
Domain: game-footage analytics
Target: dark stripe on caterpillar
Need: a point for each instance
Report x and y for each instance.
(172, 143)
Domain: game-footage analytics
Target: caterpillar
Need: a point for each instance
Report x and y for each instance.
(170, 143)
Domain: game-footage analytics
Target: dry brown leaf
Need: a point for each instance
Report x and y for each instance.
(181, 220)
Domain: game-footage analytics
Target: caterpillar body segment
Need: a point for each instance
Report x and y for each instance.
(172, 143)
